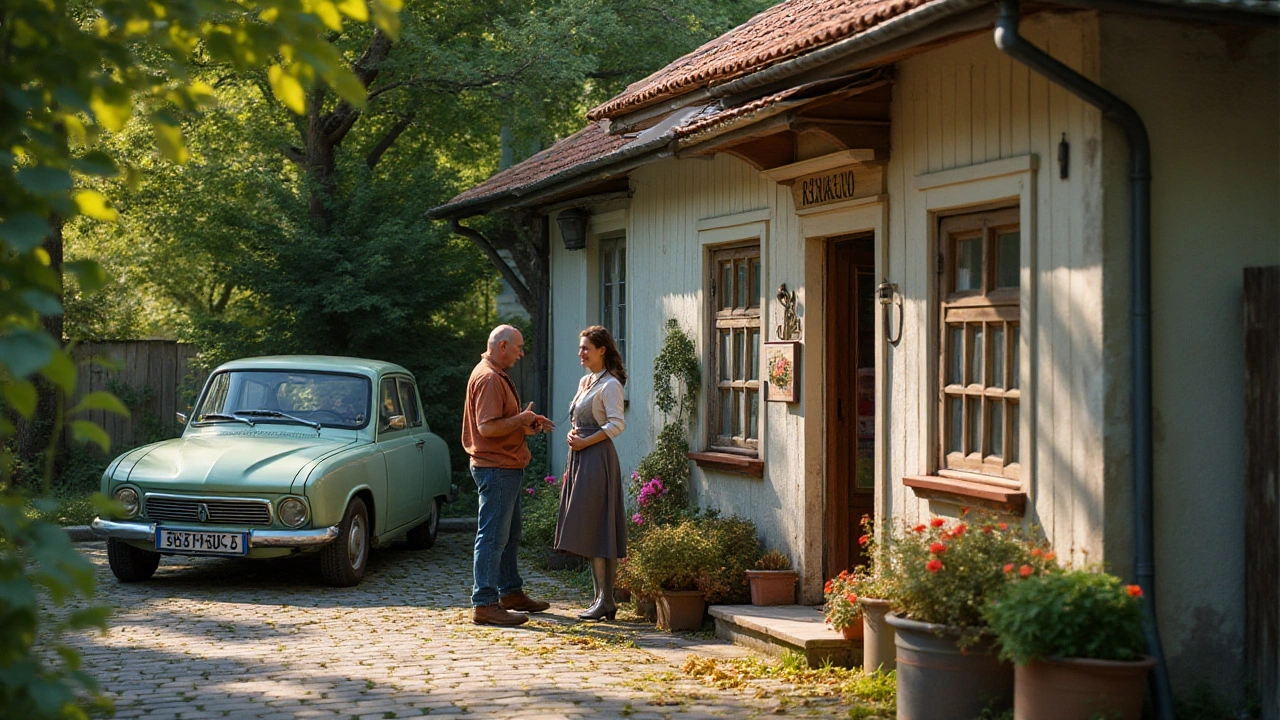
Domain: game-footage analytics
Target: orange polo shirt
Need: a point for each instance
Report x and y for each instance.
(492, 396)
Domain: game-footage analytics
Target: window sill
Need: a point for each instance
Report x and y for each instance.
(966, 492)
(729, 462)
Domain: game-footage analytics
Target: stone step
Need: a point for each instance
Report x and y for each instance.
(775, 629)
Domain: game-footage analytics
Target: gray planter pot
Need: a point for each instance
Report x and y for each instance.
(879, 651)
(936, 681)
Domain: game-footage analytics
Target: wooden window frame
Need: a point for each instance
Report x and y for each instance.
(983, 309)
(744, 376)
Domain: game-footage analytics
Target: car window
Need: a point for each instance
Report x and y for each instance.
(409, 401)
(284, 397)
(388, 404)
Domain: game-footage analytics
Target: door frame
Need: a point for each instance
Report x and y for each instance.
(817, 225)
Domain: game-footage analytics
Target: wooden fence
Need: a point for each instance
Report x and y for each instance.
(1262, 483)
(153, 377)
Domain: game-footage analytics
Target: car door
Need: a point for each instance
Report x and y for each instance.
(403, 455)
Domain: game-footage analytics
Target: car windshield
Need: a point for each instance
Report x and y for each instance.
(277, 396)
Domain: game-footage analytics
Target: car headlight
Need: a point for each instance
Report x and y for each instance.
(128, 499)
(293, 512)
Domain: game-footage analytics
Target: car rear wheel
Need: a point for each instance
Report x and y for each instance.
(342, 562)
(128, 563)
(424, 536)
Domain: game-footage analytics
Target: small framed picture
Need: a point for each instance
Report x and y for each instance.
(782, 370)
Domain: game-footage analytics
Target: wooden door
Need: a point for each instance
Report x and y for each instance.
(850, 404)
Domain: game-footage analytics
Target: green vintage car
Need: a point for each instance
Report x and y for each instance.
(284, 455)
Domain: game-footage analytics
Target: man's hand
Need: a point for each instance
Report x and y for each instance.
(533, 423)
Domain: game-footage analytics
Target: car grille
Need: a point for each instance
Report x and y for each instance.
(225, 512)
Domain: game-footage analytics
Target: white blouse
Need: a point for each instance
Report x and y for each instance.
(604, 393)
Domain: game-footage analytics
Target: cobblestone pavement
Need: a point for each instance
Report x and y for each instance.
(213, 638)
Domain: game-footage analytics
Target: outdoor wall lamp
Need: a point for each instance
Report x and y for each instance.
(888, 294)
(573, 227)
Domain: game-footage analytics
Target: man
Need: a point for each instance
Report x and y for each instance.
(493, 432)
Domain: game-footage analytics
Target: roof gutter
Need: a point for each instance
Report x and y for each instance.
(1118, 111)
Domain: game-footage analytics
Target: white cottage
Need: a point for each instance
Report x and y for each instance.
(1003, 296)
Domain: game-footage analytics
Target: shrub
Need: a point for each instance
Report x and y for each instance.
(1077, 613)
(670, 557)
(773, 560)
(842, 609)
(541, 509)
(945, 575)
(736, 550)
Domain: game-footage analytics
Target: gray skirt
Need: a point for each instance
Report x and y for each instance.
(592, 520)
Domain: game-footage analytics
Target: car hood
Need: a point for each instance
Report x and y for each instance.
(247, 462)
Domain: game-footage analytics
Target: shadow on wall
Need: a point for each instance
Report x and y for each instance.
(1208, 669)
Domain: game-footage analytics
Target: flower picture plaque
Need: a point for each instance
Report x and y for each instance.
(782, 370)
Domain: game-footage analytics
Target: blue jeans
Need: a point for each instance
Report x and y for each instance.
(497, 534)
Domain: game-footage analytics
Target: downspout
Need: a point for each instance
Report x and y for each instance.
(1113, 108)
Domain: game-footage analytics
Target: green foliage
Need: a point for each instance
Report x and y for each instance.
(541, 500)
(676, 379)
(670, 557)
(1072, 614)
(736, 549)
(676, 375)
(945, 575)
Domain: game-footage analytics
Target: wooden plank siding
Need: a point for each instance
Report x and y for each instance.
(160, 368)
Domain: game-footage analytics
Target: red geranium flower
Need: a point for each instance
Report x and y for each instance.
(864, 540)
(964, 511)
(918, 528)
(937, 522)
(937, 548)
(986, 529)
(1008, 568)
(1036, 552)
(933, 566)
(851, 598)
(1050, 555)
(1133, 590)
(1025, 570)
(958, 530)
(827, 587)
(1003, 526)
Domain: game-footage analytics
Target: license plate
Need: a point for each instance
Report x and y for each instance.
(201, 542)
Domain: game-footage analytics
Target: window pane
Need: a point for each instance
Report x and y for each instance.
(755, 283)
(975, 362)
(621, 273)
(753, 414)
(726, 285)
(726, 413)
(740, 284)
(620, 334)
(996, 412)
(955, 376)
(753, 353)
(974, 425)
(736, 414)
(606, 306)
(606, 263)
(969, 264)
(1008, 259)
(725, 356)
(1014, 418)
(739, 353)
(997, 356)
(955, 424)
(1014, 332)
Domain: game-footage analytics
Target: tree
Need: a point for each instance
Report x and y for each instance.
(69, 73)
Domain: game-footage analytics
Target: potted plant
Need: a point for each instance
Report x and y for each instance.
(672, 563)
(1077, 642)
(872, 584)
(843, 612)
(944, 573)
(773, 582)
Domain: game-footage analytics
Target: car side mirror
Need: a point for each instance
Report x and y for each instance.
(396, 422)
(182, 418)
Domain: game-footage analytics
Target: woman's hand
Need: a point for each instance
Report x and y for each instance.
(576, 441)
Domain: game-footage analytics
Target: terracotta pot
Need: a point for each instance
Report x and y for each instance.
(681, 609)
(939, 681)
(646, 606)
(772, 587)
(622, 594)
(878, 649)
(852, 632)
(1066, 688)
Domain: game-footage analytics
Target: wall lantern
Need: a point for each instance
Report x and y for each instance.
(573, 227)
(888, 295)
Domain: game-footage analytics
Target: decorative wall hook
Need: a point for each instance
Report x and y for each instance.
(790, 327)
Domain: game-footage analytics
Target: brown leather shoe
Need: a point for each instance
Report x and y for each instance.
(520, 602)
(495, 615)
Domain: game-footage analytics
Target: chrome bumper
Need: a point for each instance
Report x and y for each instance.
(139, 531)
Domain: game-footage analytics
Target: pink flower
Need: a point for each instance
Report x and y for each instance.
(529, 490)
(550, 479)
(637, 519)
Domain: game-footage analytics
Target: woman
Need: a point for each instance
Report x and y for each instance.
(591, 521)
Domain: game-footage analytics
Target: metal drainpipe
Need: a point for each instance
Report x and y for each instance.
(1113, 108)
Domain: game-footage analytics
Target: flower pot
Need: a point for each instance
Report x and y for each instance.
(1065, 688)
(878, 649)
(681, 609)
(852, 632)
(646, 606)
(772, 587)
(622, 594)
(939, 681)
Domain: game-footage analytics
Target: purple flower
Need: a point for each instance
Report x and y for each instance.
(529, 490)
(551, 479)
(635, 475)
(637, 519)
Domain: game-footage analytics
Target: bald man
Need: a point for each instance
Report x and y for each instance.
(494, 428)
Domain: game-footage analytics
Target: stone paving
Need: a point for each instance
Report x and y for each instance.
(214, 638)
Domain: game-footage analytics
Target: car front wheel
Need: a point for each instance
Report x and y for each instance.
(424, 536)
(342, 562)
(128, 563)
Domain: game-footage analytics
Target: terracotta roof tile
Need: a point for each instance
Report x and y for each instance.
(783, 31)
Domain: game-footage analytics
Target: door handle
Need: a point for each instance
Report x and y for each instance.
(420, 443)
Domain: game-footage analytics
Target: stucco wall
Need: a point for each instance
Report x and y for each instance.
(1210, 98)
